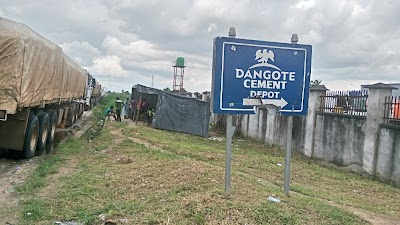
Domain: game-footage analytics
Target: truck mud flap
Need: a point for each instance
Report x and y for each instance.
(12, 131)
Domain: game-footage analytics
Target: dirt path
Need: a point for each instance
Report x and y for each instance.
(12, 173)
(15, 171)
(371, 217)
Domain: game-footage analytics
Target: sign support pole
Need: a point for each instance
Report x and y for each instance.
(288, 154)
(229, 134)
(230, 130)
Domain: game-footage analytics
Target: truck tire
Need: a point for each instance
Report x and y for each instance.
(53, 117)
(70, 117)
(43, 129)
(80, 107)
(31, 137)
(76, 112)
(82, 110)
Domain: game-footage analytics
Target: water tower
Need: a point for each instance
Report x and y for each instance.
(179, 70)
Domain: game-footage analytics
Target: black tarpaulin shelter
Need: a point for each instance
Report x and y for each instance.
(140, 92)
(176, 112)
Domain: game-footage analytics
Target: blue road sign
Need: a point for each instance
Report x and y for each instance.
(247, 73)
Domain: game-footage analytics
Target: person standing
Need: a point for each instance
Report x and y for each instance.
(118, 107)
(143, 109)
(133, 109)
(150, 115)
(125, 109)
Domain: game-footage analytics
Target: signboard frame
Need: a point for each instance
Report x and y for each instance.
(233, 102)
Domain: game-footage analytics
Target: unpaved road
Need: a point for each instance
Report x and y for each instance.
(14, 171)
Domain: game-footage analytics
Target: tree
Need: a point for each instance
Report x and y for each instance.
(315, 83)
(167, 89)
(183, 91)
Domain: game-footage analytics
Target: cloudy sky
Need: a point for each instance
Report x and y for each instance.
(125, 42)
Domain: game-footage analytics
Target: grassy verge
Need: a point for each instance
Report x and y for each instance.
(177, 178)
(37, 179)
(308, 177)
(167, 187)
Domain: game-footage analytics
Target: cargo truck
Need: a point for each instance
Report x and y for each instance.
(41, 88)
(93, 92)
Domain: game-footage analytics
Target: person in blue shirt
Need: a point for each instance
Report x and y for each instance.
(110, 112)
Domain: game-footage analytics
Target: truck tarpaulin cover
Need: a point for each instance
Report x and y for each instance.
(34, 70)
(182, 114)
(96, 90)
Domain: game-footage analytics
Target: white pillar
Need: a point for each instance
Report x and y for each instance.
(314, 103)
(375, 114)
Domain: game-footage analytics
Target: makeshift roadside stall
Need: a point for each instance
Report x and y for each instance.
(174, 112)
(141, 93)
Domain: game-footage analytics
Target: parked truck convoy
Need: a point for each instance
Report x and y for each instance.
(41, 88)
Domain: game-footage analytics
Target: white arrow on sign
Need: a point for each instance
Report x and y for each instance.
(256, 101)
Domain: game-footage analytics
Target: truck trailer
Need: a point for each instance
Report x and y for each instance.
(41, 88)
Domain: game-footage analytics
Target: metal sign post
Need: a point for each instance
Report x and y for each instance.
(230, 130)
(229, 133)
(288, 153)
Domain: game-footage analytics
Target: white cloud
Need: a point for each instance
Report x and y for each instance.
(212, 28)
(145, 55)
(81, 52)
(13, 9)
(306, 4)
(313, 37)
(108, 66)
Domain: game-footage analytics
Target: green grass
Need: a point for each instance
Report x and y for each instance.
(37, 179)
(161, 186)
(177, 178)
(308, 177)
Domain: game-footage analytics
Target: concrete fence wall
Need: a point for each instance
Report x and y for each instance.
(361, 144)
(272, 129)
(339, 139)
(388, 155)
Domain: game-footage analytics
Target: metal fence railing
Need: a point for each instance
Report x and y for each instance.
(392, 110)
(345, 102)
